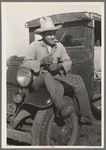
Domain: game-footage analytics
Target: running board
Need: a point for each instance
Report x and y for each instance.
(19, 136)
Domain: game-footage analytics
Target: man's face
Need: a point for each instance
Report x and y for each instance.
(49, 37)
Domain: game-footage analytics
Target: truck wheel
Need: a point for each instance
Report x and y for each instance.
(49, 130)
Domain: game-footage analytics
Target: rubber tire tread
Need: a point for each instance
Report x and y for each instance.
(37, 124)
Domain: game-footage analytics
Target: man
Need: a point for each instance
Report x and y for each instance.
(49, 58)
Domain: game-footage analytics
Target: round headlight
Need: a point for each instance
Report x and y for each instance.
(24, 76)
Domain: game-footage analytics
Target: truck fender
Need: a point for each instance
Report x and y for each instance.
(21, 115)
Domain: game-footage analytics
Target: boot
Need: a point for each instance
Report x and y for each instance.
(88, 119)
(66, 110)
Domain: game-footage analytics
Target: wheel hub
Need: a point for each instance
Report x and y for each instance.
(66, 131)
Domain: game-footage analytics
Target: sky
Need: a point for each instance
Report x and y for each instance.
(15, 37)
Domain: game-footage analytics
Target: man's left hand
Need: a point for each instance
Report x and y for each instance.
(55, 67)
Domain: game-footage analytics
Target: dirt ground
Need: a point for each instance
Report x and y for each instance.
(90, 135)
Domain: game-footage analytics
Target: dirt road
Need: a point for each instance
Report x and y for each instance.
(90, 135)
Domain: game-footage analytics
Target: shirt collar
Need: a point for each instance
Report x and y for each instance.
(43, 44)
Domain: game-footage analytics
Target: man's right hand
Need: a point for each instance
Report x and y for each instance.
(47, 60)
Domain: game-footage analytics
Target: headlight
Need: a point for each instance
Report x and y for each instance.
(24, 76)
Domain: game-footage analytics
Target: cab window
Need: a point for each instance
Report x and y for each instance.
(71, 37)
(97, 33)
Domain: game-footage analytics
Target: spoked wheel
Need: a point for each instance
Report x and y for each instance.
(54, 130)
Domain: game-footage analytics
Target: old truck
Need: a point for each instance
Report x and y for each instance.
(31, 115)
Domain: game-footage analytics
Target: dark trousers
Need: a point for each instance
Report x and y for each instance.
(56, 90)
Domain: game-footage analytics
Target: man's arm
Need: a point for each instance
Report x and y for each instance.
(65, 59)
(65, 62)
(30, 60)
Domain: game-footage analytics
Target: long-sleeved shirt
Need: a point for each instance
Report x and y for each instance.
(37, 50)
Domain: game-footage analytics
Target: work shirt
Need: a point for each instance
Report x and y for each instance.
(37, 50)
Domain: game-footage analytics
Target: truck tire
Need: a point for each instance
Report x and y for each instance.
(51, 130)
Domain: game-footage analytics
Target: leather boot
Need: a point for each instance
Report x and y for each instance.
(88, 119)
(65, 111)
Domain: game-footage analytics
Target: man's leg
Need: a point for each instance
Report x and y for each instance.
(56, 90)
(81, 94)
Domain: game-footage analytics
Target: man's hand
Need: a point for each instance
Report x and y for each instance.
(55, 67)
(47, 60)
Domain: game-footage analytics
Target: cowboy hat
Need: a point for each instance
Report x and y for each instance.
(46, 24)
